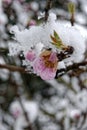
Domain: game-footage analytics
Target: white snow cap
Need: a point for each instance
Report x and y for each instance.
(71, 36)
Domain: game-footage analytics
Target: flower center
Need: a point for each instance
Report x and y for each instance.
(49, 63)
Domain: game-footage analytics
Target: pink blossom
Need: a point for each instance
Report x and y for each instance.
(46, 65)
(30, 56)
(16, 113)
(32, 23)
(48, 74)
(53, 56)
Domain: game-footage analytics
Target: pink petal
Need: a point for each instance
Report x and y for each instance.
(38, 66)
(53, 57)
(30, 56)
(44, 72)
(48, 74)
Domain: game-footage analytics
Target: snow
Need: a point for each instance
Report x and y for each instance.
(69, 35)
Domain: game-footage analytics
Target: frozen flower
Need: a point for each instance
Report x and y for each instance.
(52, 35)
(46, 65)
(16, 114)
(30, 56)
(30, 107)
(75, 114)
(16, 109)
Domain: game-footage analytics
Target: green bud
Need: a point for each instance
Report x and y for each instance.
(56, 41)
(71, 7)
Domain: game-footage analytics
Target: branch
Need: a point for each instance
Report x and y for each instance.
(48, 7)
(25, 114)
(71, 67)
(12, 68)
(62, 17)
(61, 71)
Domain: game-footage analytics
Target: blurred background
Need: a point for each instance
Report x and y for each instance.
(26, 101)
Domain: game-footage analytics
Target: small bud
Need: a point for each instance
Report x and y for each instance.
(71, 7)
(56, 40)
(75, 114)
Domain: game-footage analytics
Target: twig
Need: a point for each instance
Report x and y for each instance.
(3, 51)
(72, 20)
(71, 8)
(48, 6)
(25, 114)
(18, 95)
(71, 67)
(22, 70)
(63, 17)
(12, 68)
